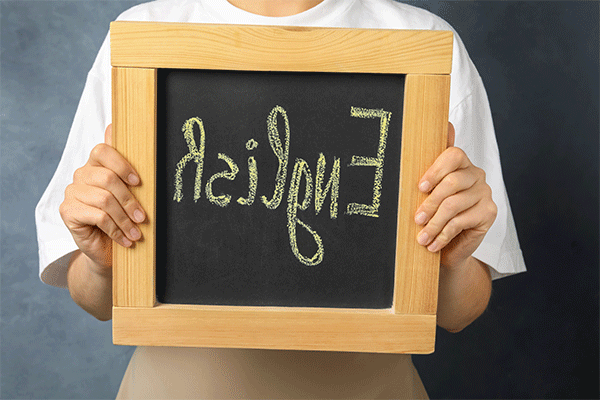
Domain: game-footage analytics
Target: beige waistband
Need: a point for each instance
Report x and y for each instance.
(190, 373)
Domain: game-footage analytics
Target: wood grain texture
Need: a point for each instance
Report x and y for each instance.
(134, 136)
(243, 48)
(426, 108)
(274, 328)
(409, 326)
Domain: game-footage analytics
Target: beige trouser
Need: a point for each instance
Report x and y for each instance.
(189, 373)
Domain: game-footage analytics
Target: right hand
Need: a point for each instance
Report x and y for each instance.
(99, 208)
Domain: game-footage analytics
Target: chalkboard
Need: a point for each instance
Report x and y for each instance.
(280, 185)
(237, 224)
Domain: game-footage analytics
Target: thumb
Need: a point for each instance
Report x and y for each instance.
(451, 134)
(108, 135)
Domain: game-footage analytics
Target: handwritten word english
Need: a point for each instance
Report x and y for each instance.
(280, 145)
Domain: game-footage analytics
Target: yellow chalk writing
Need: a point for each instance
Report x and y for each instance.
(301, 177)
(377, 162)
(195, 154)
(281, 153)
(252, 184)
(301, 170)
(251, 144)
(333, 184)
(223, 199)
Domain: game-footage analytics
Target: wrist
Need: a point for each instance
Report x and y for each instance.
(464, 293)
(454, 267)
(90, 286)
(101, 271)
(91, 267)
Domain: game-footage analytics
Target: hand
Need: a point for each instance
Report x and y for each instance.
(459, 209)
(98, 206)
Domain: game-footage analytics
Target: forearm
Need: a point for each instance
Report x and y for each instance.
(90, 286)
(463, 294)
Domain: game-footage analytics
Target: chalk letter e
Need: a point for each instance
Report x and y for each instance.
(377, 162)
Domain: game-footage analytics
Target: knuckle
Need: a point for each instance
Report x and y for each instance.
(441, 237)
(98, 151)
(454, 227)
(129, 202)
(444, 237)
(122, 220)
(62, 210)
(107, 178)
(104, 200)
(450, 231)
(488, 192)
(480, 173)
(125, 224)
(434, 226)
(456, 153)
(427, 206)
(105, 223)
(70, 194)
(488, 214)
(78, 174)
(68, 191)
(450, 205)
(103, 220)
(115, 233)
(492, 210)
(452, 182)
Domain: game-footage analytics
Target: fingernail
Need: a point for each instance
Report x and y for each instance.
(421, 218)
(433, 247)
(135, 233)
(133, 179)
(126, 242)
(424, 186)
(423, 238)
(138, 216)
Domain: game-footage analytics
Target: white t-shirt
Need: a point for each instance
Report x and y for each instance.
(469, 112)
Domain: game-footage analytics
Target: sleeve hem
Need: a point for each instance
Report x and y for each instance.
(501, 263)
(54, 261)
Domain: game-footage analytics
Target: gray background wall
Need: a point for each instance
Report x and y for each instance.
(539, 337)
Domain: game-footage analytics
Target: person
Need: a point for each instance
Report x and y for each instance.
(88, 208)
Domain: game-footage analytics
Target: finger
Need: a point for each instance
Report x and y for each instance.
(445, 215)
(108, 135)
(450, 160)
(451, 134)
(103, 155)
(105, 201)
(452, 183)
(82, 219)
(107, 179)
(472, 220)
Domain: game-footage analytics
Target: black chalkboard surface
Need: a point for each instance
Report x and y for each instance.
(231, 200)
(280, 215)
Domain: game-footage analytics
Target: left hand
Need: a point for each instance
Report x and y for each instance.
(459, 209)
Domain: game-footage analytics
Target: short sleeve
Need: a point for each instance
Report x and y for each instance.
(475, 135)
(93, 115)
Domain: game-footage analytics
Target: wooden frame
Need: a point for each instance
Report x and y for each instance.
(139, 49)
